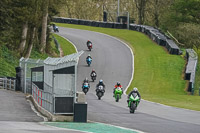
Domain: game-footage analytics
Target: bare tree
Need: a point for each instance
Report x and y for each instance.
(44, 26)
(141, 5)
(30, 45)
(23, 38)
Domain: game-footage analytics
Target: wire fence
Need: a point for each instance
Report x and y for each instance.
(26, 65)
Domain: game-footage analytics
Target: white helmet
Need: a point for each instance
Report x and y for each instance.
(135, 89)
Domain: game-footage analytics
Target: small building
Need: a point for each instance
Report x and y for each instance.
(54, 83)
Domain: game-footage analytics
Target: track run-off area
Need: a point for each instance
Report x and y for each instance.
(113, 61)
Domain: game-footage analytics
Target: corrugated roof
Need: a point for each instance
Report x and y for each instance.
(68, 58)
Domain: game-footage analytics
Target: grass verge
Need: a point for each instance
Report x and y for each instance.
(66, 46)
(157, 74)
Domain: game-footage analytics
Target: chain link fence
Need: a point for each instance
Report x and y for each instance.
(26, 65)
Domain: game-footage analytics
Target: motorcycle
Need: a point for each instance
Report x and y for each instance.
(133, 102)
(85, 87)
(55, 29)
(89, 46)
(93, 76)
(89, 61)
(100, 91)
(118, 93)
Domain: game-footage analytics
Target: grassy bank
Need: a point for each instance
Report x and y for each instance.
(9, 59)
(66, 46)
(8, 62)
(158, 75)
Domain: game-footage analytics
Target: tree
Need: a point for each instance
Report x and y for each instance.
(44, 25)
(189, 34)
(141, 6)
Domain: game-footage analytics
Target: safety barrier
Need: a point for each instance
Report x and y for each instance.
(44, 99)
(158, 37)
(7, 83)
(152, 32)
(190, 70)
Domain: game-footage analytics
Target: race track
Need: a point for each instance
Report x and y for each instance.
(112, 61)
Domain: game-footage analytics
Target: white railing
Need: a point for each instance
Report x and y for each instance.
(6, 83)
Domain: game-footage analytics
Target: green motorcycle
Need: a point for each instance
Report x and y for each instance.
(133, 102)
(118, 94)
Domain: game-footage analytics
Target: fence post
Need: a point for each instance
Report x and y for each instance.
(3, 83)
(10, 84)
(6, 83)
(14, 85)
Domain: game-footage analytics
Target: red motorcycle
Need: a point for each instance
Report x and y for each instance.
(89, 46)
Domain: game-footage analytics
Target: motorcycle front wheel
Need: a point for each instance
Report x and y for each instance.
(117, 98)
(132, 107)
(99, 94)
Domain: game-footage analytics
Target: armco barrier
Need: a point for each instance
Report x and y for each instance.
(172, 47)
(192, 60)
(153, 33)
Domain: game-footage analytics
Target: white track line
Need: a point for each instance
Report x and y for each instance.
(119, 41)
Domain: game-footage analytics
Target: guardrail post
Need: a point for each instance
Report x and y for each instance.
(5, 83)
(10, 84)
(14, 85)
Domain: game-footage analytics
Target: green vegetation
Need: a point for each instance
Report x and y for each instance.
(9, 60)
(65, 45)
(158, 75)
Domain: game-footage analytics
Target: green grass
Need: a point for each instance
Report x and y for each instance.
(197, 77)
(37, 55)
(66, 46)
(8, 62)
(157, 74)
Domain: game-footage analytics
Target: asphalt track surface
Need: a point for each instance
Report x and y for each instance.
(112, 61)
(16, 116)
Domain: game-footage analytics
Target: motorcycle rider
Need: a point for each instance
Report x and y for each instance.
(100, 83)
(89, 56)
(88, 42)
(117, 85)
(135, 90)
(86, 81)
(93, 72)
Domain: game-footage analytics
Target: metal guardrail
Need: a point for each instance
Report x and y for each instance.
(6, 83)
(44, 99)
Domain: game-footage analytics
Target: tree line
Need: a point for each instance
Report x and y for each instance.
(180, 18)
(24, 24)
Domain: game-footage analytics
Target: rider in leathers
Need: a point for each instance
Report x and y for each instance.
(117, 85)
(101, 83)
(135, 90)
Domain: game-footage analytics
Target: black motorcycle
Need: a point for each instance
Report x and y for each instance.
(93, 76)
(100, 91)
